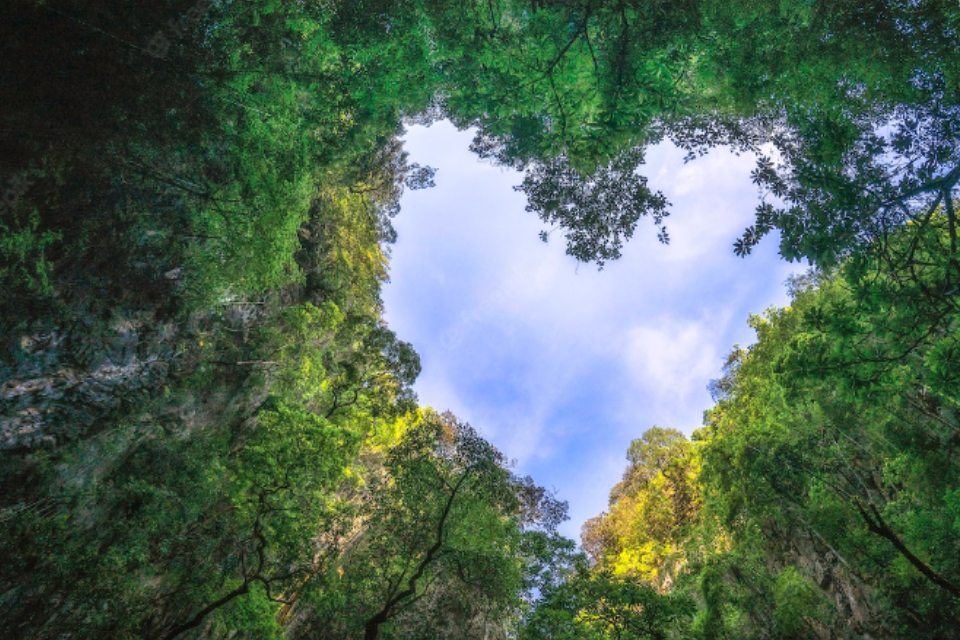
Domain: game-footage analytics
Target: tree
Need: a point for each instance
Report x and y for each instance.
(596, 605)
(851, 144)
(651, 510)
(833, 444)
(597, 213)
(438, 551)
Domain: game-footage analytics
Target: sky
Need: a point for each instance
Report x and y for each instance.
(556, 363)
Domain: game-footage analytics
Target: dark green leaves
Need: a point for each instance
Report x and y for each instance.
(596, 213)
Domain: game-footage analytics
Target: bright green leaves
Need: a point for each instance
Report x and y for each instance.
(795, 599)
(860, 138)
(308, 350)
(831, 439)
(596, 605)
(227, 202)
(23, 249)
(437, 549)
(651, 510)
(821, 493)
(293, 449)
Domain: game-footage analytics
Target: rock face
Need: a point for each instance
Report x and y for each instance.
(72, 370)
(62, 381)
(853, 602)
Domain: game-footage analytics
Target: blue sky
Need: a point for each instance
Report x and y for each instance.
(558, 364)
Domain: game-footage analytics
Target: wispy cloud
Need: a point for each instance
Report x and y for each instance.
(558, 364)
(670, 358)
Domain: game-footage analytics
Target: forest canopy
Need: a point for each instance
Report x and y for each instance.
(207, 428)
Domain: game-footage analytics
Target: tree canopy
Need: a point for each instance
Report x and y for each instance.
(207, 428)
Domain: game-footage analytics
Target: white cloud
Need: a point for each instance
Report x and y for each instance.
(712, 200)
(558, 364)
(670, 360)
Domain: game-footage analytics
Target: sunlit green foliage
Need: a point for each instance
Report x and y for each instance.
(596, 605)
(651, 510)
(208, 429)
(824, 481)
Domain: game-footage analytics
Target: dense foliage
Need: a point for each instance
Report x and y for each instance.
(820, 498)
(207, 429)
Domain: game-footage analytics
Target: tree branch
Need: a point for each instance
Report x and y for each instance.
(372, 626)
(876, 524)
